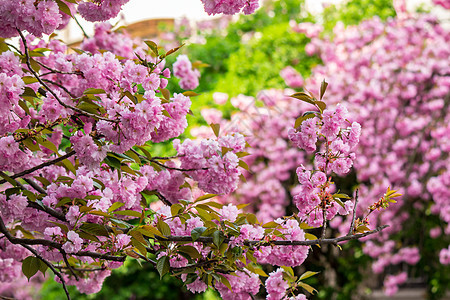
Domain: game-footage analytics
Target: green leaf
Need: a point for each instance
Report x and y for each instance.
(197, 232)
(91, 91)
(308, 274)
(138, 245)
(190, 94)
(30, 266)
(131, 213)
(243, 165)
(163, 227)
(150, 231)
(322, 106)
(225, 281)
(88, 236)
(138, 236)
(9, 179)
(310, 236)
(260, 272)
(271, 224)
(115, 206)
(165, 93)
(307, 115)
(29, 79)
(64, 8)
(204, 197)
(191, 251)
(218, 238)
(133, 156)
(338, 201)
(69, 166)
(176, 208)
(95, 229)
(288, 270)
(303, 97)
(251, 218)
(49, 145)
(323, 88)
(216, 129)
(203, 214)
(173, 50)
(163, 266)
(152, 45)
(112, 162)
(307, 287)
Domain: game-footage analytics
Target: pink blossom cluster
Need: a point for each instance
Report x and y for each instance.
(277, 287)
(444, 3)
(266, 132)
(381, 71)
(182, 69)
(214, 169)
(100, 10)
(284, 255)
(392, 282)
(12, 158)
(444, 256)
(11, 87)
(292, 78)
(44, 17)
(105, 38)
(311, 30)
(230, 7)
(243, 284)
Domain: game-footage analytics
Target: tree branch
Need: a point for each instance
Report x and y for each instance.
(333, 241)
(43, 165)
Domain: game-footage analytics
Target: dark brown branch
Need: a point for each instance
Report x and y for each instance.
(43, 165)
(35, 186)
(100, 256)
(58, 215)
(334, 241)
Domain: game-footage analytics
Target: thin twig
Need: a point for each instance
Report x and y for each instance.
(63, 282)
(81, 269)
(64, 255)
(352, 225)
(81, 27)
(324, 225)
(27, 56)
(163, 199)
(60, 86)
(19, 241)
